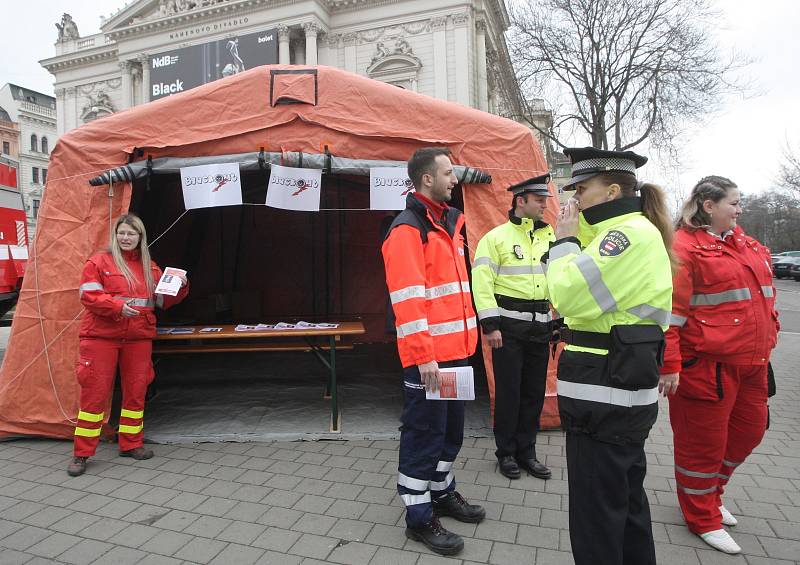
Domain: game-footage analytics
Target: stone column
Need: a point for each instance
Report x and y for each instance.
(127, 84)
(483, 83)
(299, 52)
(460, 35)
(71, 111)
(136, 83)
(440, 57)
(284, 56)
(350, 60)
(60, 107)
(311, 29)
(144, 59)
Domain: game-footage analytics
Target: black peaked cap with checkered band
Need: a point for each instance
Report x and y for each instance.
(588, 162)
(535, 185)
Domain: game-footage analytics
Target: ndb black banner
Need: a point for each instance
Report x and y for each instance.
(181, 69)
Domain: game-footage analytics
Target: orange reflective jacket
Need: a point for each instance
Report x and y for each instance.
(429, 286)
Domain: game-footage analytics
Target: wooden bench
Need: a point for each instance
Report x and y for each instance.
(322, 342)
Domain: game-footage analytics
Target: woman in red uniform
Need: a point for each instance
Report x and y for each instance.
(723, 329)
(117, 330)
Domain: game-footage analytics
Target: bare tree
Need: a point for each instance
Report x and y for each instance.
(789, 173)
(621, 71)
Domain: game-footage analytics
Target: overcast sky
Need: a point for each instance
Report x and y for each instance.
(743, 142)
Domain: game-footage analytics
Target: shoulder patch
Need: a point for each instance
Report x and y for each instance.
(614, 243)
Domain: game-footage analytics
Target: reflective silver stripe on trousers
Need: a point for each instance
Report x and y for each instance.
(716, 298)
(698, 490)
(730, 464)
(563, 249)
(444, 484)
(444, 466)
(414, 327)
(415, 291)
(480, 261)
(413, 499)
(699, 474)
(647, 312)
(488, 313)
(678, 321)
(607, 394)
(411, 482)
(594, 279)
(140, 302)
(526, 316)
(452, 327)
(446, 290)
(768, 291)
(90, 286)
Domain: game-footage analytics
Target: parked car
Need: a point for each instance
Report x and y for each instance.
(782, 266)
(795, 272)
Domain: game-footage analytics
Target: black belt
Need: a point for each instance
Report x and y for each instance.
(521, 305)
(594, 340)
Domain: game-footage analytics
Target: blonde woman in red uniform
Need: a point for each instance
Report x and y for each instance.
(723, 329)
(117, 329)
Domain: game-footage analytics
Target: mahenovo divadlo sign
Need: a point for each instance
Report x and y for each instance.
(181, 69)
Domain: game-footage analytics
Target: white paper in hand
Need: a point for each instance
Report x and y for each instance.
(170, 282)
(457, 383)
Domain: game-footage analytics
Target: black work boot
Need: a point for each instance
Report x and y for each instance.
(535, 468)
(436, 537)
(508, 467)
(453, 504)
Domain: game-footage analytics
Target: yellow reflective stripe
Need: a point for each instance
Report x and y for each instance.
(89, 417)
(123, 429)
(131, 413)
(87, 432)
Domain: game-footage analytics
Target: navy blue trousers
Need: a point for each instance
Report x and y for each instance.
(431, 435)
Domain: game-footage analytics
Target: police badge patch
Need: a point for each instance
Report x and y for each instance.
(614, 243)
(518, 252)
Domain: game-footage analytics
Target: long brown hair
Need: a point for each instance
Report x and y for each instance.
(693, 216)
(654, 206)
(116, 252)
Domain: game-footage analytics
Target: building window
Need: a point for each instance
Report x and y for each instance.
(6, 148)
(34, 142)
(35, 208)
(35, 171)
(45, 148)
(44, 176)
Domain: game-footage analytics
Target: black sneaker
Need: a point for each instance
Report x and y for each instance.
(454, 505)
(436, 538)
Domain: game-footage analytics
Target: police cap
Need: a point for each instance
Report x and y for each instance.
(588, 162)
(535, 185)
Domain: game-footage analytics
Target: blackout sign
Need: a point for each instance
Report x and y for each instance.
(182, 69)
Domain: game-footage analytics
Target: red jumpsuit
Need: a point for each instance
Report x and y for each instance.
(108, 339)
(723, 329)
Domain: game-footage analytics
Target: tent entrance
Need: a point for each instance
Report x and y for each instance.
(250, 264)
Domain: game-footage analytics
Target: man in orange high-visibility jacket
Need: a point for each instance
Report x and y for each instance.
(436, 327)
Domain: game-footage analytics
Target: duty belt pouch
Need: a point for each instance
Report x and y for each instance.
(635, 354)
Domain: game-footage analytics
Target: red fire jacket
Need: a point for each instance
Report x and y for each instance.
(103, 291)
(429, 286)
(723, 303)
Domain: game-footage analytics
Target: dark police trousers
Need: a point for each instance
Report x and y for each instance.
(609, 516)
(520, 379)
(431, 435)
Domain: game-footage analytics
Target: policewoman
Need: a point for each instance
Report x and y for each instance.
(722, 332)
(511, 298)
(613, 285)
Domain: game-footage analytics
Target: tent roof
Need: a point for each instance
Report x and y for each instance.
(355, 117)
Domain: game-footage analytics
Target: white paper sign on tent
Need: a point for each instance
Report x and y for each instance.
(292, 188)
(207, 186)
(388, 188)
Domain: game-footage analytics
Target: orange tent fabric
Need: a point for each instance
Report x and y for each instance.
(354, 116)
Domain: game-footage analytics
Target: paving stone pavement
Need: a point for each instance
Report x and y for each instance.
(335, 502)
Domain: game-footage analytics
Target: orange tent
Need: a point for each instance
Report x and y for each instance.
(353, 116)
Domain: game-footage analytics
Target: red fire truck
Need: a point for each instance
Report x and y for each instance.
(13, 239)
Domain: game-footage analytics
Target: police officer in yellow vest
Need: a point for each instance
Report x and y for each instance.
(510, 293)
(614, 289)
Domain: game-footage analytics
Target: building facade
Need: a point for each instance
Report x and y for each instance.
(448, 49)
(35, 116)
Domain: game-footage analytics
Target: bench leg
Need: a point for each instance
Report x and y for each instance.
(335, 421)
